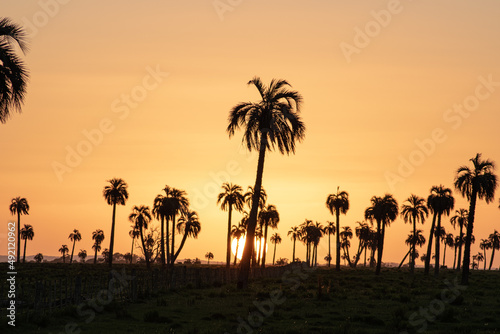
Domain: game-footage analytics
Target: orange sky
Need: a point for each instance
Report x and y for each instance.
(159, 78)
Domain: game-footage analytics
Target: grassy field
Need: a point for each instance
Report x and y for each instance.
(304, 300)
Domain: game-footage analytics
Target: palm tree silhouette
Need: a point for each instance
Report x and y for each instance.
(19, 206)
(74, 237)
(275, 239)
(27, 233)
(440, 202)
(189, 225)
(494, 239)
(134, 233)
(307, 237)
(114, 193)
(209, 256)
(460, 219)
(345, 235)
(231, 197)
(329, 229)
(39, 257)
(269, 217)
(82, 254)
(63, 250)
(339, 204)
(484, 245)
(141, 217)
(414, 239)
(13, 73)
(414, 211)
(262, 198)
(272, 122)
(294, 234)
(98, 237)
(384, 210)
(237, 232)
(479, 182)
(160, 211)
(448, 241)
(364, 234)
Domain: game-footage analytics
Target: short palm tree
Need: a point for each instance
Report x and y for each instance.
(414, 210)
(27, 233)
(19, 206)
(115, 193)
(494, 239)
(176, 202)
(209, 256)
(383, 210)
(484, 245)
(140, 217)
(13, 73)
(189, 226)
(98, 237)
(269, 217)
(329, 229)
(345, 235)
(134, 233)
(63, 250)
(414, 239)
(338, 204)
(460, 219)
(231, 197)
(294, 234)
(364, 234)
(39, 258)
(478, 182)
(236, 233)
(272, 122)
(82, 254)
(275, 239)
(448, 241)
(74, 237)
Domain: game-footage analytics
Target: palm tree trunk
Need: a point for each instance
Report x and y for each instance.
(438, 244)
(329, 250)
(95, 256)
(264, 250)
(429, 245)
(167, 240)
(18, 236)
(172, 250)
(468, 237)
(181, 245)
(228, 244)
(132, 251)
(274, 254)
(162, 241)
(236, 253)
(337, 215)
(444, 254)
(112, 238)
(455, 258)
(259, 253)
(380, 245)
(252, 221)
(293, 252)
(364, 262)
(412, 266)
(459, 260)
(402, 261)
(26, 240)
(484, 251)
(72, 251)
(145, 251)
(492, 256)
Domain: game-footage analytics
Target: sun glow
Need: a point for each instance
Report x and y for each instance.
(240, 245)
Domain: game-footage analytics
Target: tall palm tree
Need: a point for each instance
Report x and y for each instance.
(231, 197)
(140, 217)
(478, 182)
(345, 235)
(19, 206)
(13, 72)
(209, 256)
(98, 237)
(414, 211)
(338, 204)
(272, 122)
(134, 233)
(440, 202)
(189, 225)
(460, 219)
(114, 193)
(276, 240)
(74, 237)
(448, 241)
(82, 254)
(269, 217)
(494, 239)
(63, 250)
(383, 210)
(27, 233)
(329, 229)
(176, 203)
(484, 245)
(294, 234)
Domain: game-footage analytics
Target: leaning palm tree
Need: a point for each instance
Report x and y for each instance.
(383, 210)
(19, 206)
(134, 233)
(98, 237)
(140, 217)
(13, 73)
(209, 256)
(74, 237)
(329, 229)
(484, 245)
(478, 182)
(39, 258)
(189, 225)
(63, 250)
(440, 202)
(460, 219)
(339, 204)
(82, 254)
(413, 211)
(294, 234)
(494, 239)
(414, 239)
(114, 193)
(272, 122)
(275, 239)
(27, 233)
(231, 197)
(269, 217)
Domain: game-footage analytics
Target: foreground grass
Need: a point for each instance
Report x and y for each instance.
(302, 301)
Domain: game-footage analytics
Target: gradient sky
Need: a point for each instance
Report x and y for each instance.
(383, 85)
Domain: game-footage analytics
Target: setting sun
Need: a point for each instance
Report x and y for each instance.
(239, 244)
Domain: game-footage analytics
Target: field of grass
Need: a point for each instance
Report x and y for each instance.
(304, 300)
